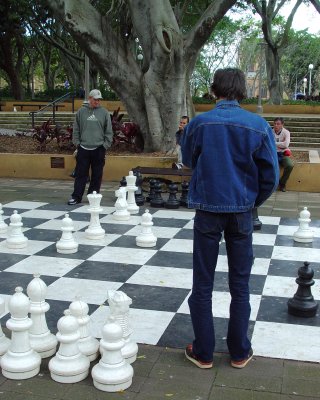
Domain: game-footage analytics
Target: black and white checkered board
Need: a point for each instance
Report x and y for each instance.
(159, 279)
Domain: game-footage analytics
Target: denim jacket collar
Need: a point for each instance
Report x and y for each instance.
(229, 103)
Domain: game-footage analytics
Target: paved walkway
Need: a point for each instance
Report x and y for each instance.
(162, 373)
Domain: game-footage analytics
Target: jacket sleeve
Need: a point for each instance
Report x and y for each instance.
(108, 132)
(76, 130)
(266, 159)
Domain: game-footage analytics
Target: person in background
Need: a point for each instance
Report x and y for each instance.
(235, 168)
(92, 136)
(183, 122)
(282, 138)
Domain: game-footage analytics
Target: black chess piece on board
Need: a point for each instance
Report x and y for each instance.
(184, 194)
(123, 182)
(151, 189)
(138, 194)
(157, 200)
(302, 304)
(172, 202)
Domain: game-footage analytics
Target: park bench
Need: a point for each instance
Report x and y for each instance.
(163, 171)
(21, 105)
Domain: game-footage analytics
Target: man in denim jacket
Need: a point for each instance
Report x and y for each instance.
(235, 167)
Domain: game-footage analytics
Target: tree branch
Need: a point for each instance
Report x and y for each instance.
(316, 4)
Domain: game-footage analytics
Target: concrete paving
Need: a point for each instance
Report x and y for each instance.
(163, 373)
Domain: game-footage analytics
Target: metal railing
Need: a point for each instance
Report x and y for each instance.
(54, 105)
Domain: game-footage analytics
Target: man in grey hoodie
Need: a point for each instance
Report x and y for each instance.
(92, 135)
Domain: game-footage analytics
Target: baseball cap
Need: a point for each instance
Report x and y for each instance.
(96, 94)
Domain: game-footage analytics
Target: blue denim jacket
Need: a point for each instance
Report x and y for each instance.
(233, 156)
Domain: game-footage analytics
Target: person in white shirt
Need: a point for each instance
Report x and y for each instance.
(282, 138)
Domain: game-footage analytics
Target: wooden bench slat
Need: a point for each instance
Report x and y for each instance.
(163, 171)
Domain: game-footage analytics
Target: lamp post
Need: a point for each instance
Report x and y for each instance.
(140, 58)
(310, 72)
(259, 106)
(86, 78)
(304, 85)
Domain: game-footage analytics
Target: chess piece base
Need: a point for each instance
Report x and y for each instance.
(17, 366)
(12, 244)
(301, 239)
(66, 249)
(69, 379)
(304, 310)
(146, 243)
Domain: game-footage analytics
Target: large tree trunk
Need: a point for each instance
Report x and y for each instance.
(273, 76)
(154, 93)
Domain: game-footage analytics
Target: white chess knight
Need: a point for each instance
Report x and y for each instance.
(121, 205)
(3, 225)
(131, 188)
(146, 238)
(94, 230)
(16, 238)
(20, 361)
(69, 365)
(88, 345)
(67, 243)
(41, 339)
(112, 373)
(119, 304)
(4, 341)
(304, 234)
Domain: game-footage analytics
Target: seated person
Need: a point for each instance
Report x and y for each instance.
(183, 122)
(282, 138)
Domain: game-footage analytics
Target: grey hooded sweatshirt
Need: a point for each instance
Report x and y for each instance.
(92, 128)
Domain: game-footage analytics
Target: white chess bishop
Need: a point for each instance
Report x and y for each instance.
(112, 373)
(121, 205)
(146, 238)
(304, 234)
(88, 345)
(67, 243)
(94, 230)
(41, 339)
(3, 225)
(131, 188)
(16, 238)
(119, 304)
(20, 361)
(69, 365)
(4, 341)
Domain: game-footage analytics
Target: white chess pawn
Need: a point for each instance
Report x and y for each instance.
(121, 205)
(67, 244)
(88, 345)
(20, 361)
(119, 304)
(131, 188)
(3, 225)
(4, 341)
(304, 234)
(16, 239)
(112, 373)
(146, 238)
(69, 365)
(94, 230)
(41, 339)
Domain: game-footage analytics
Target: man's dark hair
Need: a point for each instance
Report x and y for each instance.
(185, 117)
(229, 83)
(279, 119)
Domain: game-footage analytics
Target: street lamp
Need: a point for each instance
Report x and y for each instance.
(310, 72)
(259, 106)
(140, 58)
(304, 85)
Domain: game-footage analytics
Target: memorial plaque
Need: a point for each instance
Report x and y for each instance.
(57, 162)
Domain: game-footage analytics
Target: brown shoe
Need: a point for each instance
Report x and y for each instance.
(242, 363)
(195, 360)
(282, 188)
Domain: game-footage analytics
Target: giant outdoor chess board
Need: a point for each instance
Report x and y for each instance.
(159, 279)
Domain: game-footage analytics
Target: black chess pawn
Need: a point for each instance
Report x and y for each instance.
(150, 195)
(257, 224)
(138, 194)
(172, 201)
(157, 200)
(184, 194)
(302, 304)
(123, 182)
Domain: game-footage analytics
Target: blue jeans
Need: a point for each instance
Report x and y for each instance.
(208, 228)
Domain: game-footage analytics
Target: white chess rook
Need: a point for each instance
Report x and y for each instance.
(112, 373)
(94, 230)
(16, 239)
(304, 234)
(69, 365)
(88, 345)
(3, 225)
(67, 244)
(119, 304)
(4, 341)
(131, 188)
(20, 361)
(121, 205)
(146, 238)
(41, 339)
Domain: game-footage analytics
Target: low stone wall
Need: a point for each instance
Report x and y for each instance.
(304, 177)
